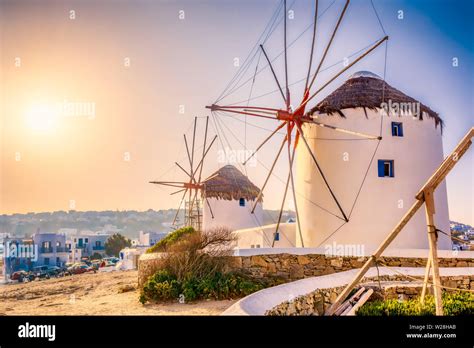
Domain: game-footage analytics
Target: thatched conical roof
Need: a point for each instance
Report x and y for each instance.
(230, 184)
(366, 90)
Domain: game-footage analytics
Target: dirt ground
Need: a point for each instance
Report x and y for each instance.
(93, 294)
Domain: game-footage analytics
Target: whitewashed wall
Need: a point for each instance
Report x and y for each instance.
(263, 236)
(382, 201)
(228, 213)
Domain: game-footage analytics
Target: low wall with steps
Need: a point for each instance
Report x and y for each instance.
(312, 296)
(391, 287)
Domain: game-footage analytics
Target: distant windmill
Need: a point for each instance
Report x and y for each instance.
(191, 187)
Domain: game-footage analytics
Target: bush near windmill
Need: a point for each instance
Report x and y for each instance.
(195, 266)
(170, 239)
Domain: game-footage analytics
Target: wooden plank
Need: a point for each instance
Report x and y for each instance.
(346, 311)
(448, 163)
(426, 279)
(343, 308)
(429, 210)
(347, 303)
(363, 299)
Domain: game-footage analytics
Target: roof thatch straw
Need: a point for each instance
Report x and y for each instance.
(230, 184)
(366, 90)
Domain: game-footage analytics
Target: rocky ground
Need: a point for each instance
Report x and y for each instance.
(107, 293)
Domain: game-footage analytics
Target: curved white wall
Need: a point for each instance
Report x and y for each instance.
(228, 213)
(262, 237)
(382, 201)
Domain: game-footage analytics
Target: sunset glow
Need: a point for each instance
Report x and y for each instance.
(42, 118)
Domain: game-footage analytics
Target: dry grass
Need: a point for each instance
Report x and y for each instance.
(200, 254)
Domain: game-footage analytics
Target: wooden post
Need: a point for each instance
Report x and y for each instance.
(427, 277)
(433, 239)
(438, 176)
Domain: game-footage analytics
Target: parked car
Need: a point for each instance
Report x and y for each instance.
(106, 263)
(21, 276)
(81, 268)
(112, 260)
(55, 271)
(41, 272)
(96, 264)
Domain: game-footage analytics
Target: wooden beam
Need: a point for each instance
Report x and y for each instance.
(260, 193)
(363, 299)
(265, 141)
(281, 210)
(342, 130)
(433, 239)
(343, 70)
(426, 279)
(348, 303)
(448, 163)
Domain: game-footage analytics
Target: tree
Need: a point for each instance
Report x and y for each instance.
(115, 243)
(96, 256)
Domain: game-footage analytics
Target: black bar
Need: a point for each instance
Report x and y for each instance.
(237, 330)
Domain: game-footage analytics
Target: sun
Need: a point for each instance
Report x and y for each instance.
(42, 118)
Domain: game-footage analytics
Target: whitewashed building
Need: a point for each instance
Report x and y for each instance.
(375, 183)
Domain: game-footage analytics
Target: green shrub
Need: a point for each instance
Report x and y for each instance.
(163, 286)
(459, 304)
(170, 239)
(196, 265)
(453, 304)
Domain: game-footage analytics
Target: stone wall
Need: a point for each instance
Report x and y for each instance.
(316, 302)
(289, 267)
(294, 267)
(148, 264)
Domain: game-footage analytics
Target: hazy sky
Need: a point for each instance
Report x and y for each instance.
(136, 64)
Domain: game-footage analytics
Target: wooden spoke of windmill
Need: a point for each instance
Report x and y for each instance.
(293, 119)
(191, 187)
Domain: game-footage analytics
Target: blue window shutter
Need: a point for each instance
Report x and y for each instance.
(277, 236)
(391, 168)
(397, 129)
(381, 168)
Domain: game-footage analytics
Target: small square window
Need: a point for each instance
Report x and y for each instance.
(397, 129)
(86, 240)
(277, 236)
(385, 168)
(242, 202)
